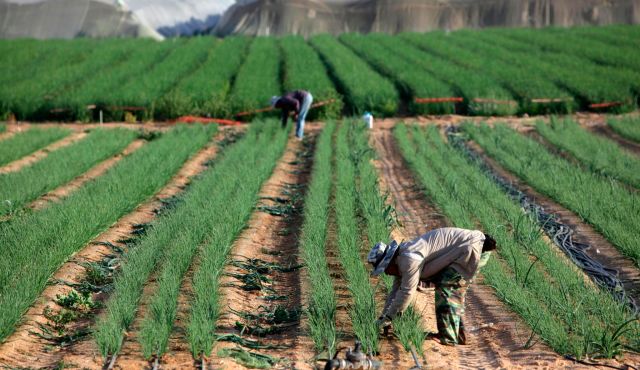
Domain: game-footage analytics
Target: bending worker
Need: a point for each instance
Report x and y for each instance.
(449, 258)
(299, 102)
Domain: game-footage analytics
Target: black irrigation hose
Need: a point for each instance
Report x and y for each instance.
(561, 234)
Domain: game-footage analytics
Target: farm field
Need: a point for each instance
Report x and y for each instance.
(477, 73)
(198, 246)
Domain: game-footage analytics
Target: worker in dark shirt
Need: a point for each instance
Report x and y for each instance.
(299, 102)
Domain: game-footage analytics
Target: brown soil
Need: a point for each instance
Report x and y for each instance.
(495, 334)
(607, 132)
(274, 239)
(601, 249)
(340, 285)
(38, 155)
(23, 348)
(95, 172)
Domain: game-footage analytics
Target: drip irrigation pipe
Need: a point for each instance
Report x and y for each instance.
(559, 233)
(623, 367)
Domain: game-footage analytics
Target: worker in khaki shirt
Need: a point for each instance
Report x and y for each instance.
(447, 257)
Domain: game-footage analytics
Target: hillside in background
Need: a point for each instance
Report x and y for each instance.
(308, 17)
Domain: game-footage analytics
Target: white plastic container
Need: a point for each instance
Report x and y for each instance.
(368, 119)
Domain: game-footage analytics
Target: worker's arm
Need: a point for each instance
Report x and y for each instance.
(391, 296)
(285, 117)
(410, 270)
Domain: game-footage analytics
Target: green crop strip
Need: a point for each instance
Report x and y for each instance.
(150, 90)
(609, 207)
(56, 232)
(104, 89)
(169, 246)
(414, 83)
(575, 45)
(303, 68)
(380, 219)
(601, 155)
(533, 89)
(571, 315)
(363, 309)
(627, 127)
(59, 167)
(27, 142)
(321, 305)
(34, 99)
(259, 77)
(252, 161)
(206, 91)
(3, 127)
(467, 84)
(364, 89)
(589, 82)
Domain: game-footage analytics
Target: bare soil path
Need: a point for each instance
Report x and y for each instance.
(271, 236)
(496, 346)
(606, 131)
(23, 348)
(39, 154)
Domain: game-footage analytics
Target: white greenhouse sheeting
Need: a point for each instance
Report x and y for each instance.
(166, 13)
(44, 19)
(69, 19)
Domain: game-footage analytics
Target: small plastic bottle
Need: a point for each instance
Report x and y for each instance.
(368, 119)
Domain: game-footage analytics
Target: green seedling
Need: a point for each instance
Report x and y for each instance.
(58, 320)
(78, 302)
(612, 344)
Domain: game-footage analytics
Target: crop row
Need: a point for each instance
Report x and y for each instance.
(590, 83)
(363, 88)
(557, 302)
(27, 142)
(104, 89)
(411, 81)
(380, 218)
(627, 127)
(207, 90)
(60, 167)
(613, 209)
(363, 305)
(303, 69)
(34, 98)
(599, 154)
(259, 77)
(61, 229)
(321, 302)
(210, 215)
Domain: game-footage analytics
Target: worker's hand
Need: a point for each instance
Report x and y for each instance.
(383, 322)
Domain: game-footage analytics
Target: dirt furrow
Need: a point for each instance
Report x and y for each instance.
(23, 347)
(606, 131)
(340, 286)
(492, 335)
(271, 236)
(39, 154)
(179, 355)
(94, 172)
(600, 248)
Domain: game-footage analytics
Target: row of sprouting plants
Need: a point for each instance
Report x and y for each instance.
(210, 215)
(56, 232)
